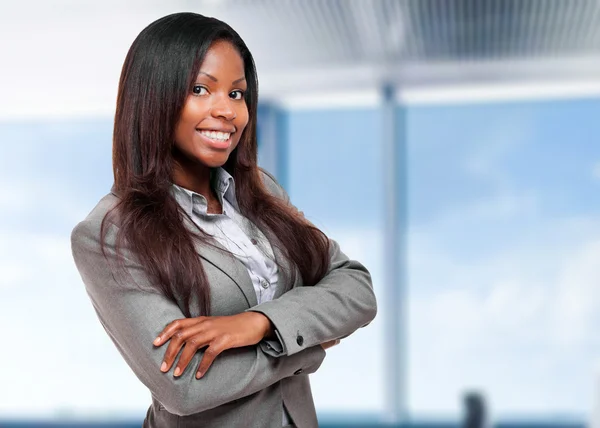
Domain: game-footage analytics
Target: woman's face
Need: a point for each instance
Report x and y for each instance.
(215, 113)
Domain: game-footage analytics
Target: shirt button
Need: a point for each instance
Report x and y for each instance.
(264, 283)
(297, 372)
(254, 241)
(299, 340)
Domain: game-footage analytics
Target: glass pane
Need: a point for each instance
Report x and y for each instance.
(504, 250)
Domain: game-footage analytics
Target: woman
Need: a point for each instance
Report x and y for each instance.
(196, 261)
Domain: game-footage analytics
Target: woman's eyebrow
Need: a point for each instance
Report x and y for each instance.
(216, 80)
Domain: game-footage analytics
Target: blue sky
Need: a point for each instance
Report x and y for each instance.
(334, 158)
(503, 249)
(548, 146)
(503, 234)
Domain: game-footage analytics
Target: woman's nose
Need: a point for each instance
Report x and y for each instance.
(222, 108)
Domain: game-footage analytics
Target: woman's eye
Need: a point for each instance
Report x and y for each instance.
(237, 95)
(197, 90)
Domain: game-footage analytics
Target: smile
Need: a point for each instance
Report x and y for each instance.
(215, 135)
(215, 139)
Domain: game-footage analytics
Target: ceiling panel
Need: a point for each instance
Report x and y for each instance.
(414, 43)
(288, 33)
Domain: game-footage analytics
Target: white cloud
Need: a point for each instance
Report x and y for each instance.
(596, 171)
(510, 324)
(28, 199)
(494, 145)
(577, 301)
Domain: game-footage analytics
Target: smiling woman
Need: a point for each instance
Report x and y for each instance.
(199, 249)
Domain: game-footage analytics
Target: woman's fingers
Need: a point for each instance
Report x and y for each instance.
(177, 340)
(330, 343)
(216, 347)
(191, 347)
(172, 350)
(173, 327)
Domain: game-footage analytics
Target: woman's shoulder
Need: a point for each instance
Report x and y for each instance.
(272, 184)
(93, 220)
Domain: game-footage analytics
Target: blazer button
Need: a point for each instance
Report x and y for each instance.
(297, 372)
(299, 340)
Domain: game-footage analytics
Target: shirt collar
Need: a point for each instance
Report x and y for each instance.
(221, 181)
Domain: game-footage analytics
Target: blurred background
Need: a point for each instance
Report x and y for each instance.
(452, 146)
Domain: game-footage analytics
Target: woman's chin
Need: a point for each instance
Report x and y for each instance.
(214, 160)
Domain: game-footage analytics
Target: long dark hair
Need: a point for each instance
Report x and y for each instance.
(157, 76)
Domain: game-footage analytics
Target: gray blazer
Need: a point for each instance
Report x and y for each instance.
(244, 387)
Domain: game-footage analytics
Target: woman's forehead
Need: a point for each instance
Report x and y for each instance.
(222, 57)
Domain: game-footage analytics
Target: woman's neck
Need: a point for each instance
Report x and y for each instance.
(196, 179)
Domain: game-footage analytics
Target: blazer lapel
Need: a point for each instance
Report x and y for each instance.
(230, 265)
(236, 270)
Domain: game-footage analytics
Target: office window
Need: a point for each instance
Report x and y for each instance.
(504, 250)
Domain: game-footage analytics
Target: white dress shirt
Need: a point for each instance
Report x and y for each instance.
(231, 230)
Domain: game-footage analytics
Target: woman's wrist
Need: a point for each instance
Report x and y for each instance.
(265, 325)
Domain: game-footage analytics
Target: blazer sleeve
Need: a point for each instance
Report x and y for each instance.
(133, 312)
(338, 305)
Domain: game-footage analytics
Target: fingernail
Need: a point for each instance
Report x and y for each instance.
(177, 371)
(198, 375)
(157, 340)
(163, 367)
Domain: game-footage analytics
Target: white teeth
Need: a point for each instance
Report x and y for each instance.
(216, 135)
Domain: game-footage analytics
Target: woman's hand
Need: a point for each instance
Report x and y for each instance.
(218, 333)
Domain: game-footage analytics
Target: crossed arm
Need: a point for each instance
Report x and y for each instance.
(342, 302)
(133, 314)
